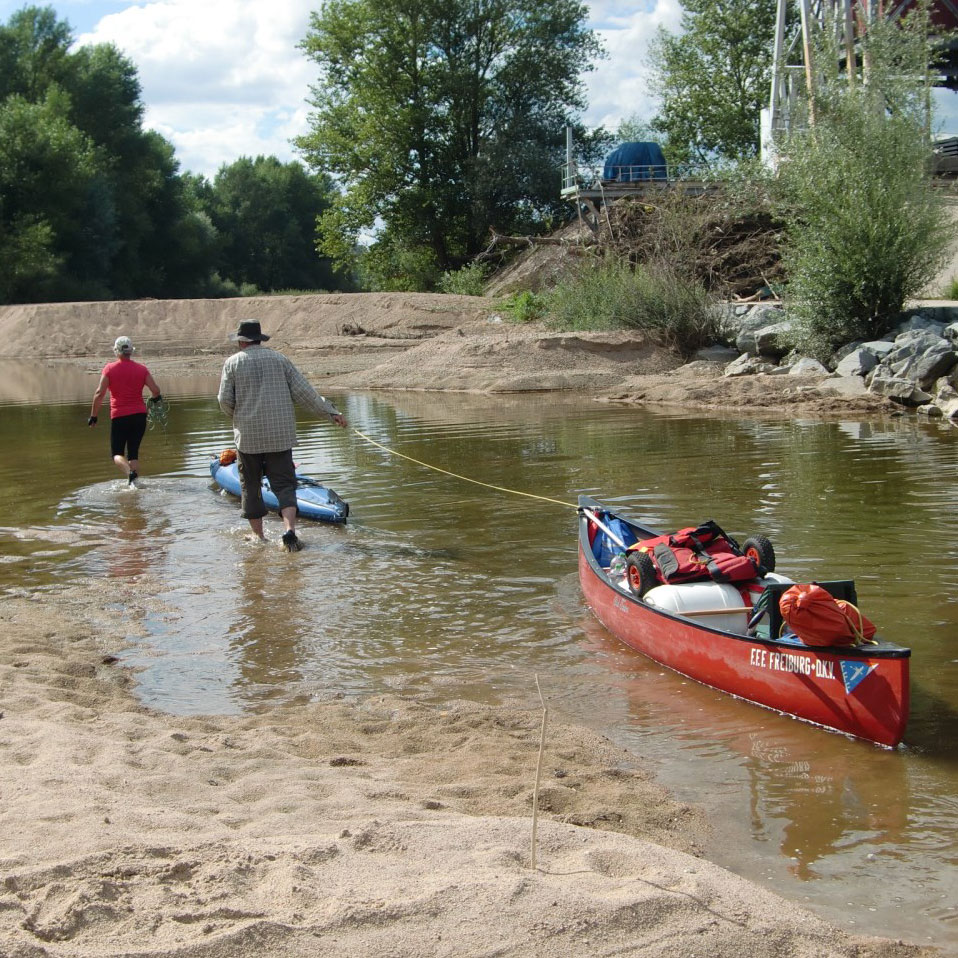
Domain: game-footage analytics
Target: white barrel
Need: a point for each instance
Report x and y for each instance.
(756, 586)
(713, 604)
(775, 577)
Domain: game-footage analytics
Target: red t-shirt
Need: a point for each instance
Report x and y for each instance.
(126, 380)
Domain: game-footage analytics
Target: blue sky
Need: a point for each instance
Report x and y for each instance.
(223, 78)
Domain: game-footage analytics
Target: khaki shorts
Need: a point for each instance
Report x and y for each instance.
(278, 468)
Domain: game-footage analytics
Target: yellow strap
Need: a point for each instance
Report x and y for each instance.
(456, 475)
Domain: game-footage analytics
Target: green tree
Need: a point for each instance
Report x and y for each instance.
(47, 172)
(866, 228)
(91, 205)
(713, 79)
(33, 53)
(265, 212)
(441, 119)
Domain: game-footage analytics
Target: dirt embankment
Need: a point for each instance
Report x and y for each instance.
(409, 341)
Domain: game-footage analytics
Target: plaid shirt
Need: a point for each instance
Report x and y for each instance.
(257, 391)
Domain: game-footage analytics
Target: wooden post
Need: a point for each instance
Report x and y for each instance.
(809, 57)
(851, 63)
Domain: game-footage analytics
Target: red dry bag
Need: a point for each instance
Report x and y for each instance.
(698, 552)
(817, 618)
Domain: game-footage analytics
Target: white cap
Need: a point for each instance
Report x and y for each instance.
(123, 345)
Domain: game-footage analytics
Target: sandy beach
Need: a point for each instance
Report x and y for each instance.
(381, 827)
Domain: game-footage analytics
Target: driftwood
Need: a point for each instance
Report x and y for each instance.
(730, 245)
(574, 246)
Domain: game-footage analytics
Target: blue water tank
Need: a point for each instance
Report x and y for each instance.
(634, 162)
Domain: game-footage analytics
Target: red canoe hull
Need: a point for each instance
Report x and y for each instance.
(851, 691)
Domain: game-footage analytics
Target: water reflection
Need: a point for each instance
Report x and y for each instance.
(68, 382)
(132, 548)
(827, 803)
(270, 620)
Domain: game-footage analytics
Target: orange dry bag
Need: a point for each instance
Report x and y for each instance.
(818, 619)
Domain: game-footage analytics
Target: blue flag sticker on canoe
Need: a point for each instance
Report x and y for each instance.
(854, 672)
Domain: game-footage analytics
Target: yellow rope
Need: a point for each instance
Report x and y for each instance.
(456, 475)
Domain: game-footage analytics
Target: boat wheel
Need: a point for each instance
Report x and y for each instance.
(640, 573)
(760, 551)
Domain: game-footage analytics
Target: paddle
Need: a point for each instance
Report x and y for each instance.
(594, 518)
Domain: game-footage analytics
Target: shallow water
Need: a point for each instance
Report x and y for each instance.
(444, 589)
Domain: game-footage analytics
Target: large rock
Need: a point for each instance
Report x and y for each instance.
(749, 326)
(920, 356)
(805, 366)
(773, 341)
(729, 318)
(879, 348)
(846, 386)
(747, 365)
(937, 361)
(859, 362)
(945, 402)
(921, 322)
(904, 391)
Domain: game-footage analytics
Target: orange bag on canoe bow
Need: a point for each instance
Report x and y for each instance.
(819, 619)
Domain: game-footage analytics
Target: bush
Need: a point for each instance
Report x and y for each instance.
(525, 307)
(866, 233)
(467, 281)
(865, 228)
(674, 311)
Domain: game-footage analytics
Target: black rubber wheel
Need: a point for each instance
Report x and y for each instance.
(640, 573)
(760, 551)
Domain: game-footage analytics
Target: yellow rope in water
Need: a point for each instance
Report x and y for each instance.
(456, 475)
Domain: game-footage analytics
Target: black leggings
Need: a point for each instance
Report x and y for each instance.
(126, 434)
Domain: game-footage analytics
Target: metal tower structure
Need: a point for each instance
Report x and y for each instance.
(793, 67)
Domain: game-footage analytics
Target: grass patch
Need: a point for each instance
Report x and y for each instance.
(674, 311)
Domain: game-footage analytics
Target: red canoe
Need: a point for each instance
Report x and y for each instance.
(859, 690)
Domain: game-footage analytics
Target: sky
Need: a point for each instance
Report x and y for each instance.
(223, 79)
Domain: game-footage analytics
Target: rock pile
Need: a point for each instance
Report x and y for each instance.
(915, 366)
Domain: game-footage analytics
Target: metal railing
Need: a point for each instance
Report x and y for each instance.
(593, 177)
(577, 178)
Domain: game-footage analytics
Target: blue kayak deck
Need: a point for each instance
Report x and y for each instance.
(313, 499)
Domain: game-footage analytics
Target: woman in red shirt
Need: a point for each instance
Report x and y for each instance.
(125, 380)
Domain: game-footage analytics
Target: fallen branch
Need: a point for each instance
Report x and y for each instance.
(501, 239)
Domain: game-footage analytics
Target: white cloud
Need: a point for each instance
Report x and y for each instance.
(221, 78)
(618, 88)
(224, 78)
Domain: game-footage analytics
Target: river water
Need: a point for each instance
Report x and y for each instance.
(443, 589)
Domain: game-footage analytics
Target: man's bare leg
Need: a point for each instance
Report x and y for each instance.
(290, 541)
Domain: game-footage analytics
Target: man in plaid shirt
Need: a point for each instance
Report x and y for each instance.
(258, 390)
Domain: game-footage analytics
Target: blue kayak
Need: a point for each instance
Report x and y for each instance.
(313, 499)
